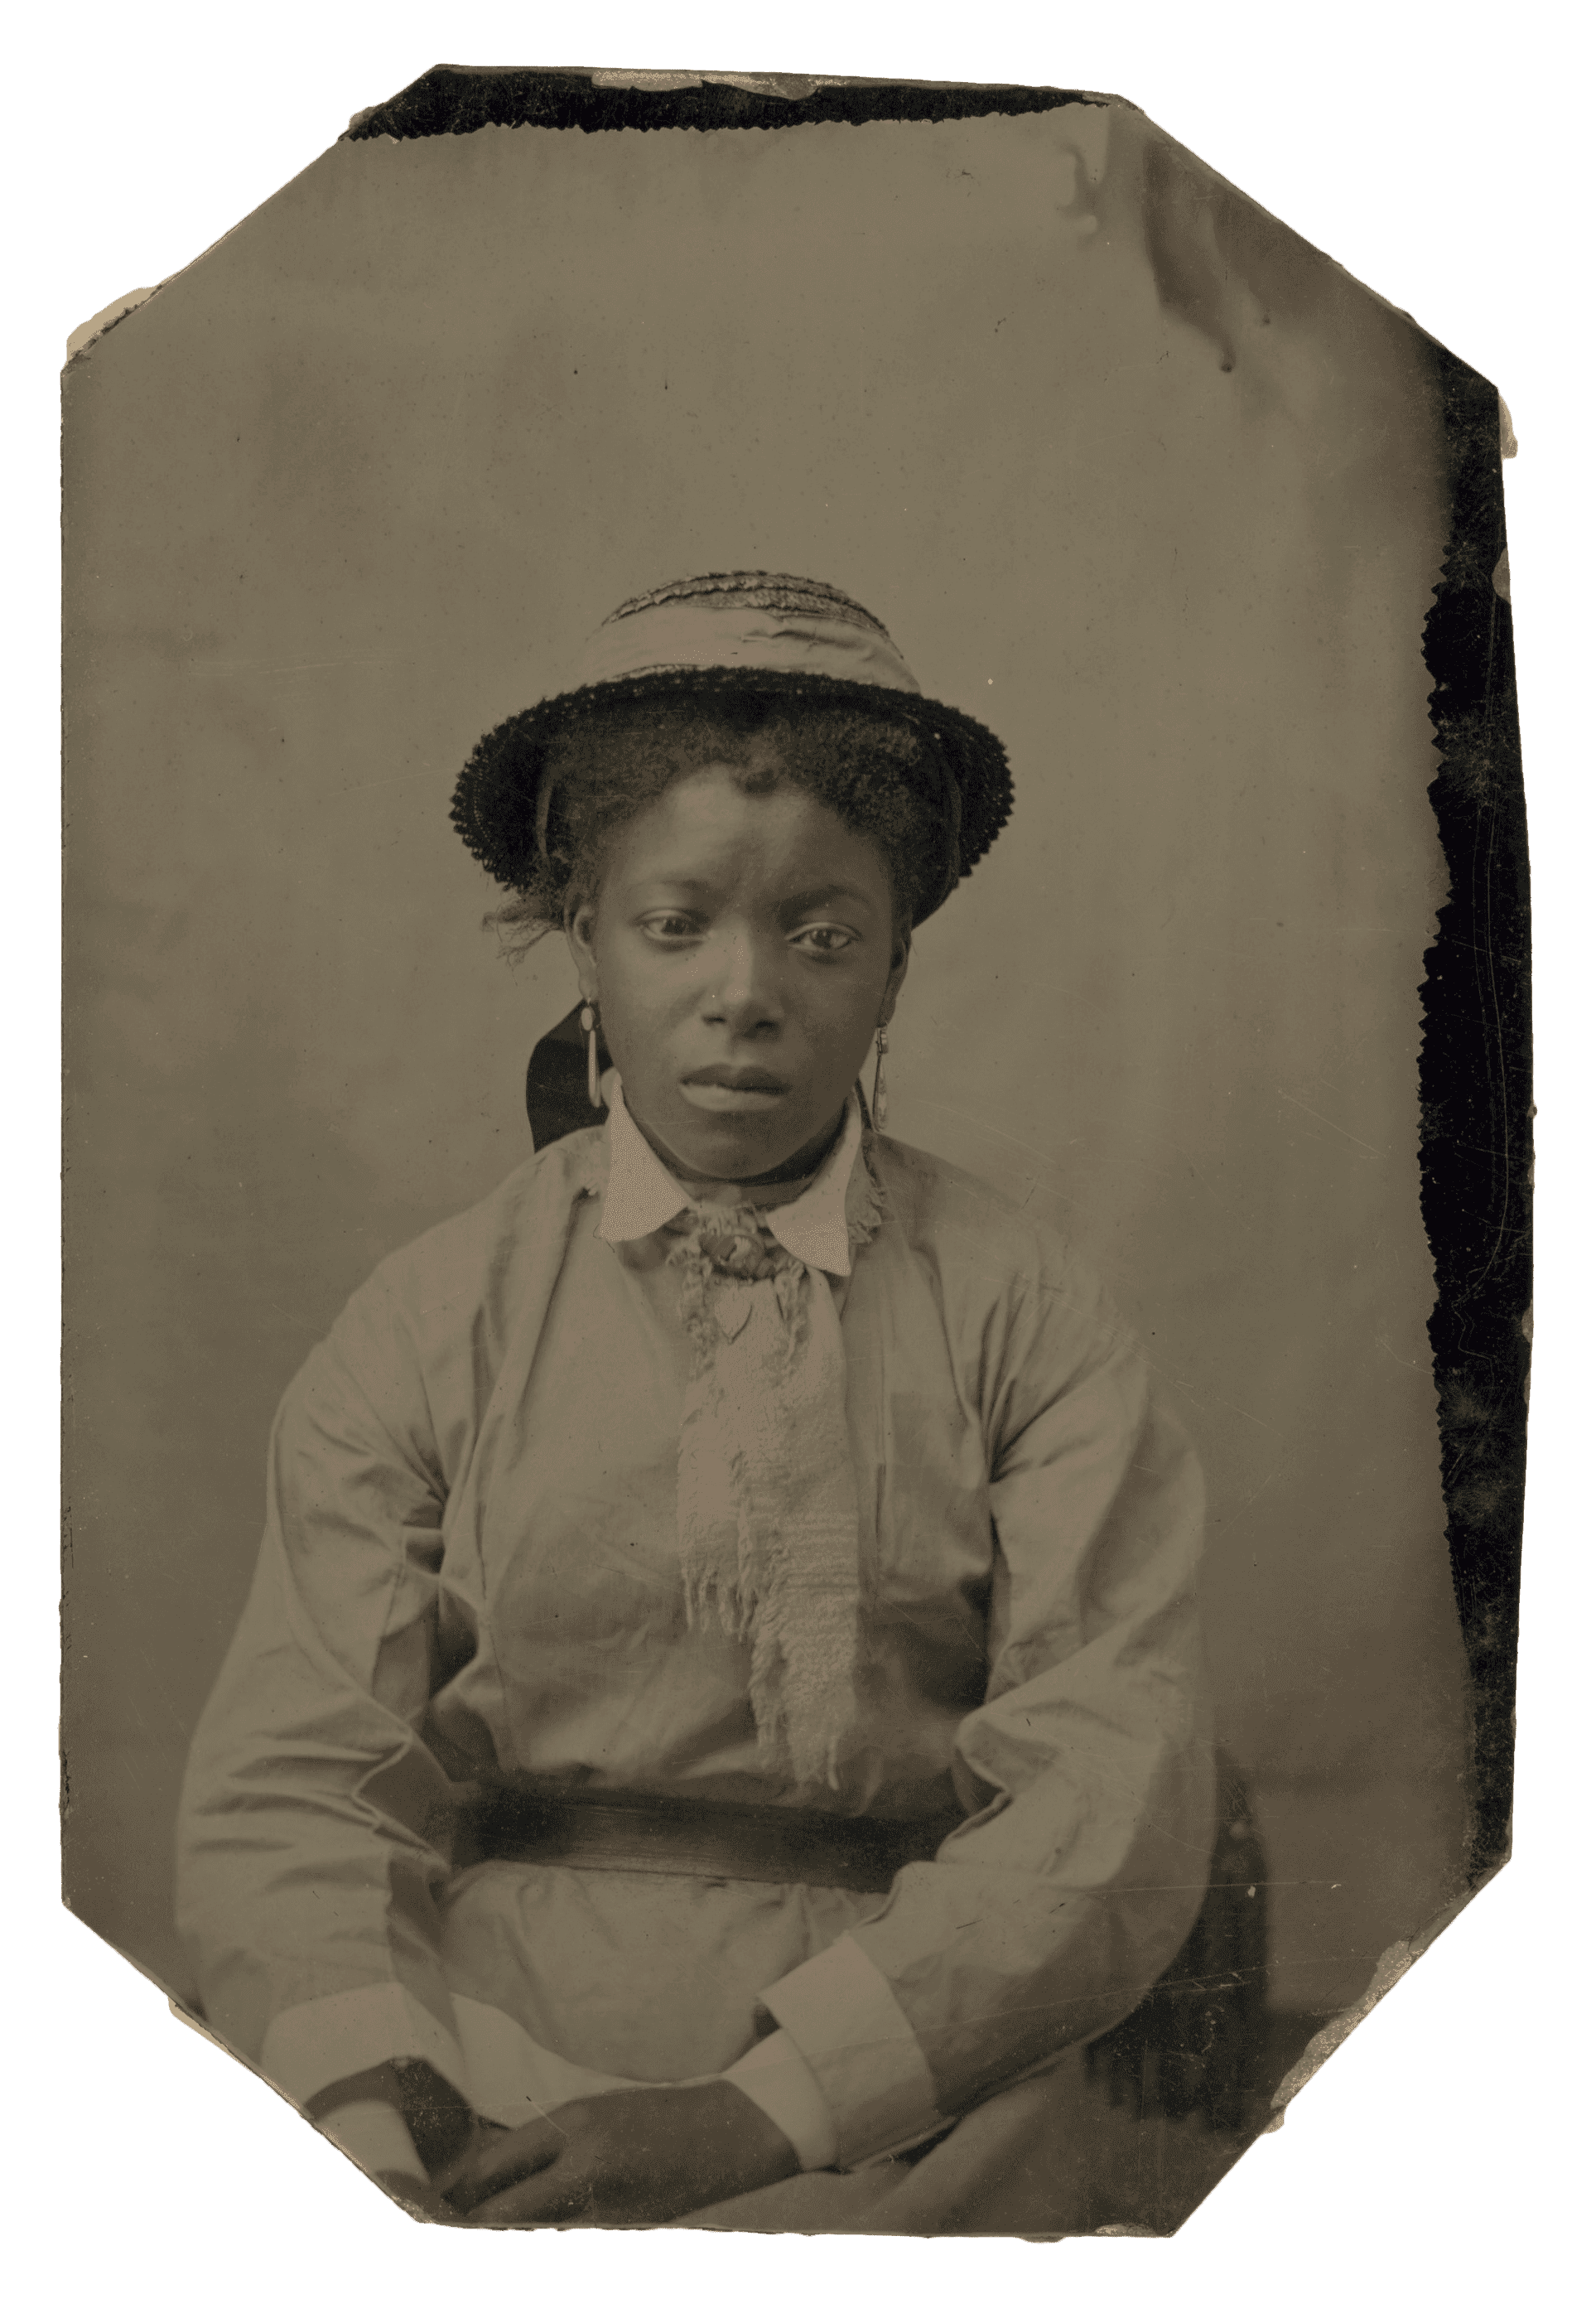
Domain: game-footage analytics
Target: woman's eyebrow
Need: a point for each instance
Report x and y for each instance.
(837, 891)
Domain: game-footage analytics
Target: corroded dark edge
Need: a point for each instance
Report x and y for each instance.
(1474, 1079)
(457, 99)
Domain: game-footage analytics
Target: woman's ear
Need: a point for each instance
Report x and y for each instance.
(579, 941)
(895, 979)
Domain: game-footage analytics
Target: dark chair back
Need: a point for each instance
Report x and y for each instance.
(1196, 2040)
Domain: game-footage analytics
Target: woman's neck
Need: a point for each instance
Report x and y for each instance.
(777, 1187)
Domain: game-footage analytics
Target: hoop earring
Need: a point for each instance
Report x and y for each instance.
(878, 1099)
(589, 1019)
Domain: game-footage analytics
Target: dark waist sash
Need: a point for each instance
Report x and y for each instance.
(672, 1836)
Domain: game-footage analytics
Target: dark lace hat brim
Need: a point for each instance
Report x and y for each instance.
(496, 809)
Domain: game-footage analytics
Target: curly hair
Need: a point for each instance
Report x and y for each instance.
(605, 768)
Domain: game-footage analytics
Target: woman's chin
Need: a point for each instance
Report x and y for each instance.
(711, 1143)
(734, 1150)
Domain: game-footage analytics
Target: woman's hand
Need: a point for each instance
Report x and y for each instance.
(624, 2159)
(420, 2199)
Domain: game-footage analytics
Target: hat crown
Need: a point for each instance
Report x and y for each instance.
(778, 594)
(777, 624)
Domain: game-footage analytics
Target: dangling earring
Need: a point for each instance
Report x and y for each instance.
(878, 1099)
(589, 1029)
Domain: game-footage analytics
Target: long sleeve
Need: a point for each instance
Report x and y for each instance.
(1047, 1917)
(305, 1869)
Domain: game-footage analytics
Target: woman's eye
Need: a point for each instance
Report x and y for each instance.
(671, 926)
(826, 940)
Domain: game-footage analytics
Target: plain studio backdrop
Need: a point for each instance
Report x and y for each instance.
(351, 489)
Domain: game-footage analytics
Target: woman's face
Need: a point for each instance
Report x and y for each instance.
(741, 951)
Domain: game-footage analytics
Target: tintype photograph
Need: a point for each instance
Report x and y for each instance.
(796, 1265)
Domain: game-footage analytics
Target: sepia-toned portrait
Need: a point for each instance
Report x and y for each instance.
(796, 1253)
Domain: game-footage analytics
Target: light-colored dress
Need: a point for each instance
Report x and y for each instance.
(472, 1572)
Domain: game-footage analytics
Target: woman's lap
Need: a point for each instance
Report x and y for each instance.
(651, 1978)
(646, 1978)
(1049, 2157)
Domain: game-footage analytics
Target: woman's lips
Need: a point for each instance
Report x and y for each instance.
(722, 1087)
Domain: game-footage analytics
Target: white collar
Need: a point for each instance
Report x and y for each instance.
(640, 1195)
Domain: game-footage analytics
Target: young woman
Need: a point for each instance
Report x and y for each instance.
(719, 1706)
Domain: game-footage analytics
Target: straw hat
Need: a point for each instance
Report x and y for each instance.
(723, 636)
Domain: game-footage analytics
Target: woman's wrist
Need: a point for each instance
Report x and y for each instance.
(752, 2148)
(413, 2098)
(777, 2077)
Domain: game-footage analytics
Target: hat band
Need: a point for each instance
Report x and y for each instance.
(677, 636)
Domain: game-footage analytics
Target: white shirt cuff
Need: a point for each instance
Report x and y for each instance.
(861, 2051)
(775, 2076)
(316, 2044)
(375, 2135)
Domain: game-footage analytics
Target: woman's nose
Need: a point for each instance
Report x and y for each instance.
(746, 990)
